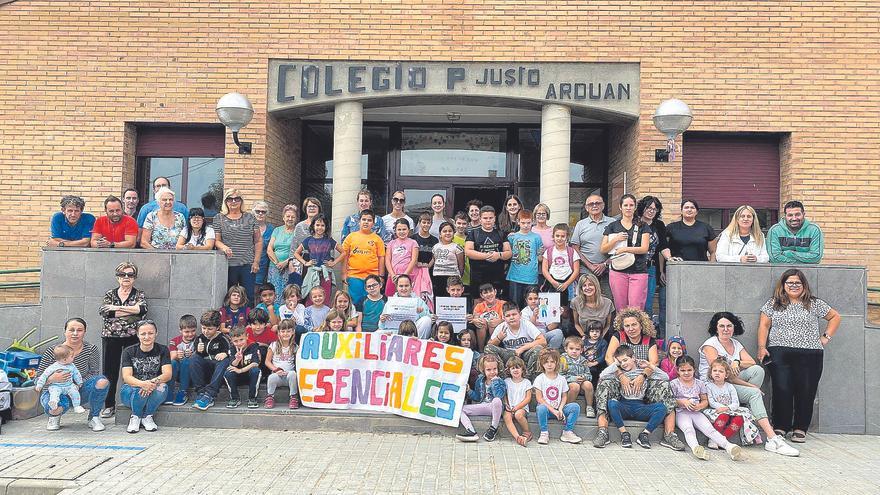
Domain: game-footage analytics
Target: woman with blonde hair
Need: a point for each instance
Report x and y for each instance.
(238, 236)
(540, 225)
(742, 241)
(590, 305)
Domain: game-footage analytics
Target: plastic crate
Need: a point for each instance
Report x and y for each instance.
(20, 359)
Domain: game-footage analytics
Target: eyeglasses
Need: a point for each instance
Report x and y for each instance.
(595, 203)
(372, 286)
(125, 274)
(260, 212)
(311, 206)
(540, 214)
(233, 199)
(651, 208)
(398, 200)
(794, 284)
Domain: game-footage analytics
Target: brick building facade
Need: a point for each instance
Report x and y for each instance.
(78, 80)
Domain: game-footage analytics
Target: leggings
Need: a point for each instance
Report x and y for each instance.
(494, 409)
(274, 381)
(113, 347)
(687, 421)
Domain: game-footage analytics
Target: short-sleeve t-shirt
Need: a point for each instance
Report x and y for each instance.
(489, 312)
(400, 253)
(722, 352)
(514, 340)
(238, 234)
(516, 392)
(266, 337)
(162, 237)
(690, 243)
(796, 326)
(524, 261)
(199, 240)
(586, 314)
(283, 239)
(426, 247)
(60, 229)
(372, 312)
(363, 251)
(692, 392)
(446, 259)
(115, 232)
(486, 242)
(145, 365)
(319, 250)
(551, 390)
(560, 263)
(635, 240)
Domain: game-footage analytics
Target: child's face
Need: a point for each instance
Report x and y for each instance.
(402, 231)
(404, 287)
(516, 372)
(487, 220)
(595, 333)
(320, 228)
(286, 334)
(465, 340)
(532, 300)
(341, 303)
(317, 298)
(424, 224)
(490, 369)
(560, 237)
(267, 297)
(455, 290)
(336, 324)
(209, 332)
(366, 223)
(574, 349)
(686, 371)
(675, 351)
(240, 341)
(258, 326)
(512, 318)
(718, 373)
(235, 298)
(187, 334)
(549, 365)
(626, 363)
(488, 295)
(292, 301)
(461, 226)
(446, 235)
(443, 334)
(525, 224)
(373, 287)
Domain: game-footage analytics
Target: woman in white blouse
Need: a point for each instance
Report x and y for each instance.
(742, 241)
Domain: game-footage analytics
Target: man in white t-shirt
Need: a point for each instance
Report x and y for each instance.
(517, 337)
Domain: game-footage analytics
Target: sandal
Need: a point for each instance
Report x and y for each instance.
(798, 437)
(521, 440)
(528, 436)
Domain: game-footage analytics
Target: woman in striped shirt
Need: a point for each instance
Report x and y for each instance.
(87, 360)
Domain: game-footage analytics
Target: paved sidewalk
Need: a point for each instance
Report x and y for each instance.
(192, 460)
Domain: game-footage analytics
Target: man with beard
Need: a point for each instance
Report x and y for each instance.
(795, 239)
(116, 229)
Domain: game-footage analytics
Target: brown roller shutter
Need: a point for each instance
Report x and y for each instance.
(179, 141)
(728, 170)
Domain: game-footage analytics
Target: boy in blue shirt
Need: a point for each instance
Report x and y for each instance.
(525, 246)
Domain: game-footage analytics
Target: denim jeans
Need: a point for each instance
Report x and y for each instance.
(89, 394)
(233, 379)
(571, 411)
(142, 406)
(620, 409)
(180, 372)
(652, 289)
(206, 374)
(241, 275)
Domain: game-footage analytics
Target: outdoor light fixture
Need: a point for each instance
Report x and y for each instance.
(672, 118)
(235, 111)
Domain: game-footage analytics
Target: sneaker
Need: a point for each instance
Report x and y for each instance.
(468, 436)
(735, 452)
(134, 424)
(601, 439)
(79, 409)
(670, 440)
(712, 445)
(644, 440)
(169, 400)
(490, 434)
(269, 403)
(544, 438)
(294, 402)
(591, 413)
(778, 446)
(700, 453)
(568, 436)
(96, 424)
(148, 423)
(253, 403)
(626, 440)
(54, 423)
(233, 403)
(180, 399)
(203, 403)
(108, 412)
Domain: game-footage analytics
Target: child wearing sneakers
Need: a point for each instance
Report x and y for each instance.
(487, 398)
(576, 370)
(70, 387)
(182, 347)
(244, 364)
(594, 349)
(210, 360)
(281, 363)
(691, 398)
(519, 395)
(725, 411)
(550, 390)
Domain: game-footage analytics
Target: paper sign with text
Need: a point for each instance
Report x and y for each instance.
(453, 310)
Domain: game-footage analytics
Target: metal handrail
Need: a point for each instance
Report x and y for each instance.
(20, 285)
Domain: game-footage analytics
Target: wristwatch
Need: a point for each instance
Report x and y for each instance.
(60, 243)
(827, 336)
(112, 244)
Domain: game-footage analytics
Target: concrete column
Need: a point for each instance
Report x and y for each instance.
(348, 123)
(555, 160)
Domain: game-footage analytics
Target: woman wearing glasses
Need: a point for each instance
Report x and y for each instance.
(238, 236)
(789, 335)
(284, 268)
(398, 202)
(261, 211)
(122, 308)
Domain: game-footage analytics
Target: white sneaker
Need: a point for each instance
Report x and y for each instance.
(712, 445)
(778, 446)
(700, 453)
(149, 424)
(544, 438)
(54, 423)
(79, 409)
(735, 452)
(591, 413)
(570, 437)
(96, 424)
(134, 424)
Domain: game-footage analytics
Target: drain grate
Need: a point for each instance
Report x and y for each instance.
(51, 467)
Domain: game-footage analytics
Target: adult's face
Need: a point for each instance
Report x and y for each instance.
(233, 202)
(260, 214)
(398, 201)
(632, 327)
(125, 277)
(725, 329)
(541, 215)
(312, 209)
(594, 205)
(745, 220)
(794, 218)
(628, 207)
(74, 333)
(147, 335)
(650, 211)
(114, 211)
(588, 288)
(131, 200)
(794, 287)
(71, 214)
(166, 202)
(512, 207)
(160, 183)
(364, 202)
(437, 204)
(474, 213)
(689, 211)
(289, 218)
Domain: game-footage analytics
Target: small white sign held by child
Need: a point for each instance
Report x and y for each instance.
(549, 307)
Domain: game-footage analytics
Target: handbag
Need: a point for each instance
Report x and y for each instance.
(622, 261)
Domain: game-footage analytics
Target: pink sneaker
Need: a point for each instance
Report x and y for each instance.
(294, 402)
(759, 440)
(270, 402)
